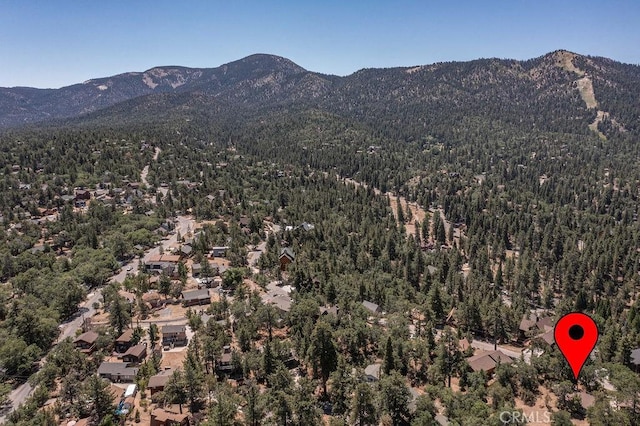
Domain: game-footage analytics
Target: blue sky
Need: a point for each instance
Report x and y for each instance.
(55, 43)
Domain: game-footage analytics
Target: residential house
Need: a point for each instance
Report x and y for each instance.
(196, 269)
(166, 263)
(81, 196)
(218, 268)
(548, 337)
(328, 310)
(67, 198)
(124, 342)
(159, 381)
(186, 250)
(162, 417)
(372, 372)
(244, 222)
(225, 364)
(282, 302)
(219, 251)
(533, 324)
(159, 268)
(174, 335)
(287, 256)
(279, 299)
(117, 372)
(171, 258)
(135, 354)
(196, 297)
(86, 342)
(488, 361)
(372, 307)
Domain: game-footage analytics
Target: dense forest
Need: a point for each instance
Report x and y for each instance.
(524, 209)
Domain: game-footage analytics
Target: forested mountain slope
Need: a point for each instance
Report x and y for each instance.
(444, 99)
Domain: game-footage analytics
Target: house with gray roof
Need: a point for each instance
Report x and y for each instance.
(117, 372)
(174, 335)
(287, 256)
(372, 307)
(372, 372)
(196, 297)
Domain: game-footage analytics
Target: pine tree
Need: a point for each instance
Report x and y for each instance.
(323, 353)
(96, 390)
(389, 362)
(364, 406)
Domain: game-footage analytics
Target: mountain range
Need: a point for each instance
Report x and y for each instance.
(560, 91)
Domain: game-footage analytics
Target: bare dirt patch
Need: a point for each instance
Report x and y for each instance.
(565, 61)
(417, 212)
(594, 126)
(585, 86)
(172, 359)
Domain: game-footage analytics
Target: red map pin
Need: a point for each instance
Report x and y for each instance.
(576, 335)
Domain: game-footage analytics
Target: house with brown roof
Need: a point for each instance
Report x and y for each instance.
(174, 335)
(124, 342)
(488, 361)
(159, 381)
(171, 258)
(82, 194)
(86, 342)
(135, 354)
(533, 324)
(224, 364)
(162, 417)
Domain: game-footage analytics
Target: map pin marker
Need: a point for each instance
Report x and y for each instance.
(576, 335)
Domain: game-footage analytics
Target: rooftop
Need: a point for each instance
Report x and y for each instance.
(174, 329)
(88, 337)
